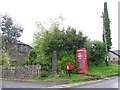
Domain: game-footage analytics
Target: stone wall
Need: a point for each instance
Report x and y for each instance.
(20, 72)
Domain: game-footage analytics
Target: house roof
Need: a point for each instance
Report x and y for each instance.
(117, 52)
(21, 43)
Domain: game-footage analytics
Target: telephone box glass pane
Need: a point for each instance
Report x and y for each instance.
(80, 60)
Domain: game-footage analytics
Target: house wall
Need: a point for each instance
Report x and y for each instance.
(113, 57)
(18, 53)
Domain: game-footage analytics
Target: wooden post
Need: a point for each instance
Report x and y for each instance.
(38, 70)
(69, 73)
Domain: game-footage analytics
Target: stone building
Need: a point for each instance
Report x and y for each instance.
(18, 52)
(114, 55)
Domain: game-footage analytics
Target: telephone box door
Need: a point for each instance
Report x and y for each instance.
(81, 60)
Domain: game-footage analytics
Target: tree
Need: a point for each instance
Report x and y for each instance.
(32, 56)
(64, 42)
(10, 31)
(107, 26)
(106, 32)
(97, 52)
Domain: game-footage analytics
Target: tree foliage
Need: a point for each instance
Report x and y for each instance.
(32, 56)
(10, 31)
(95, 52)
(107, 27)
(59, 40)
(62, 41)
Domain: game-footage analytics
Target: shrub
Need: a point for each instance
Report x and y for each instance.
(4, 59)
(44, 73)
(95, 52)
(32, 56)
(64, 57)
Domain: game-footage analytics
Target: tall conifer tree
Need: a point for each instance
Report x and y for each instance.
(106, 32)
(107, 27)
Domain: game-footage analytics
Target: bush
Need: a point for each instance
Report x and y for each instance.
(95, 52)
(64, 57)
(32, 56)
(44, 73)
(4, 59)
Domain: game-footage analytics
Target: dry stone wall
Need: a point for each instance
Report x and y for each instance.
(20, 72)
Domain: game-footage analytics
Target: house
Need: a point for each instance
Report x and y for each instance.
(114, 55)
(18, 52)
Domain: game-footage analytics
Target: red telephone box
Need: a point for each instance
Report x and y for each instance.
(81, 60)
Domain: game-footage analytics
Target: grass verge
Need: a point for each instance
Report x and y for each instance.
(103, 70)
(94, 72)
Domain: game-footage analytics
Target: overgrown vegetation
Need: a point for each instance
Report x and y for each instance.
(4, 59)
(64, 42)
(32, 56)
(95, 52)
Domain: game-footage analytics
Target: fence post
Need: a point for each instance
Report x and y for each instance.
(38, 70)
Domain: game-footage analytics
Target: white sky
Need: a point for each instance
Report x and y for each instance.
(81, 14)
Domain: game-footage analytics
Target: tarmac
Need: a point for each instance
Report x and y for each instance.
(59, 84)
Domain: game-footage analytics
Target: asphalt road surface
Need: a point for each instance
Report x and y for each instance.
(109, 83)
(28, 84)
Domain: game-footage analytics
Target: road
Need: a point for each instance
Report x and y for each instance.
(28, 84)
(111, 83)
